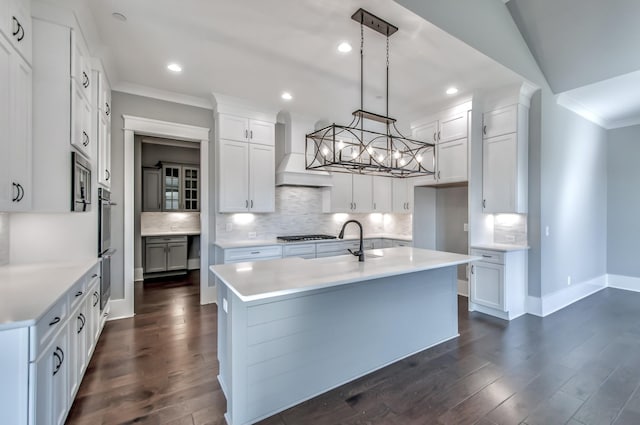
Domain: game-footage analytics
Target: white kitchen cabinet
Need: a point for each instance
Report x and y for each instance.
(382, 194)
(246, 177)
(500, 121)
(243, 129)
(402, 191)
(15, 131)
(299, 250)
(77, 354)
(452, 161)
(15, 24)
(255, 253)
(61, 113)
(101, 102)
(165, 254)
(81, 65)
(450, 133)
(504, 161)
(498, 283)
(350, 193)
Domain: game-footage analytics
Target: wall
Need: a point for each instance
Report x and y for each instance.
(623, 175)
(299, 211)
(153, 153)
(4, 238)
(127, 104)
(566, 150)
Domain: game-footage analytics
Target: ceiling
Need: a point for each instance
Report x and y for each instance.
(256, 49)
(588, 51)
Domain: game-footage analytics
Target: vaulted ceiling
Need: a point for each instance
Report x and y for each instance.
(588, 51)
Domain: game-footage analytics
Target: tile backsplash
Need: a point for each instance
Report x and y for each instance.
(151, 222)
(4, 238)
(510, 229)
(299, 211)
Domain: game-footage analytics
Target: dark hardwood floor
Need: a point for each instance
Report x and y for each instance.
(578, 366)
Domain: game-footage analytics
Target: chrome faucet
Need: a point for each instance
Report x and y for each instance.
(360, 252)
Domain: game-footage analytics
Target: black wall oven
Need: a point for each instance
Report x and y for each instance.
(104, 244)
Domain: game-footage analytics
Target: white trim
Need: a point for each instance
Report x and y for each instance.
(138, 274)
(628, 122)
(558, 300)
(627, 283)
(167, 96)
(119, 309)
(567, 101)
(463, 288)
(193, 263)
(149, 127)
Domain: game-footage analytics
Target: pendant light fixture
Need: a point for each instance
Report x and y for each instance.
(377, 149)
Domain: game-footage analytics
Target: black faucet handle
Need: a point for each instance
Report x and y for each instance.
(356, 253)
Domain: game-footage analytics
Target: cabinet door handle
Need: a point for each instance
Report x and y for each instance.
(97, 297)
(57, 361)
(108, 108)
(487, 256)
(251, 134)
(246, 203)
(472, 269)
(79, 293)
(16, 26)
(438, 135)
(255, 252)
(374, 205)
(484, 203)
(484, 130)
(19, 31)
(21, 189)
(54, 321)
(246, 134)
(17, 192)
(435, 136)
(85, 138)
(86, 82)
(438, 174)
(252, 203)
(107, 175)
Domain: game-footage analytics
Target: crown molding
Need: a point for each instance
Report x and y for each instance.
(167, 96)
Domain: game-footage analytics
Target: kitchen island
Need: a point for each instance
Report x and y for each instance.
(291, 329)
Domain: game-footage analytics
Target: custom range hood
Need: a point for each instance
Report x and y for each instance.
(290, 151)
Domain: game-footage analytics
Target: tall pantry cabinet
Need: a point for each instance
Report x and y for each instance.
(16, 192)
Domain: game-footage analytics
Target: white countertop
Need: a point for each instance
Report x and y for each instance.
(500, 247)
(263, 242)
(27, 291)
(259, 280)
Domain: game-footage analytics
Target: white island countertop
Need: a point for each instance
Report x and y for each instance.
(27, 291)
(252, 281)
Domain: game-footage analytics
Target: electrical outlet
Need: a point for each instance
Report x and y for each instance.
(546, 230)
(225, 305)
(252, 235)
(229, 227)
(466, 227)
(569, 280)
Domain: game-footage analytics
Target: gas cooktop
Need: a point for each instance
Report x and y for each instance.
(299, 238)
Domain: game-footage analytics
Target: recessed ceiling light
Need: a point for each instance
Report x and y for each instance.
(286, 96)
(174, 67)
(344, 47)
(452, 90)
(119, 16)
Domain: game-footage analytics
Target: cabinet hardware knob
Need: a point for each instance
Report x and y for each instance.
(58, 363)
(246, 134)
(108, 174)
(97, 297)
(246, 203)
(251, 134)
(435, 136)
(19, 32)
(484, 203)
(16, 26)
(108, 108)
(484, 130)
(438, 174)
(15, 198)
(438, 135)
(21, 189)
(252, 203)
(472, 269)
(54, 321)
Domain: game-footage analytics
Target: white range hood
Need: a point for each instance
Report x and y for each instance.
(290, 144)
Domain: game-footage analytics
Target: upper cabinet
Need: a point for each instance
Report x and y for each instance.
(15, 24)
(504, 160)
(173, 187)
(246, 163)
(15, 111)
(449, 132)
(102, 124)
(402, 191)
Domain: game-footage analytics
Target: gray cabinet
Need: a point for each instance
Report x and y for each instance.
(151, 189)
(165, 254)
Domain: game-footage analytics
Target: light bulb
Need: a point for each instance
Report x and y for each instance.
(380, 158)
(396, 155)
(340, 145)
(419, 158)
(403, 162)
(354, 153)
(370, 150)
(325, 151)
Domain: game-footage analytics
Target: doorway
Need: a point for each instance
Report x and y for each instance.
(139, 126)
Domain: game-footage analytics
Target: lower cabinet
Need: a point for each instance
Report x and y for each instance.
(165, 254)
(57, 370)
(498, 283)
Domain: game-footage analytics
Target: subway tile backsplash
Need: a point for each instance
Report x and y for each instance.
(299, 211)
(510, 229)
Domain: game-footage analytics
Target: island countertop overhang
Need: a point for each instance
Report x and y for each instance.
(262, 280)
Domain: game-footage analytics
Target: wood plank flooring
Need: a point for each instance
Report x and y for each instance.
(579, 366)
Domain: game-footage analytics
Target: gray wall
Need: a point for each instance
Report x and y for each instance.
(4, 238)
(451, 214)
(127, 104)
(623, 175)
(570, 159)
(152, 154)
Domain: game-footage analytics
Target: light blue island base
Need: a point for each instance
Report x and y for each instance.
(275, 353)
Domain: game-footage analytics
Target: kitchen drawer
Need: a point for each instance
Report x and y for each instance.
(76, 294)
(340, 248)
(489, 256)
(252, 254)
(47, 327)
(399, 242)
(166, 239)
(304, 250)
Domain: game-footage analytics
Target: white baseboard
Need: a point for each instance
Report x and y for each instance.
(138, 274)
(627, 283)
(120, 309)
(560, 299)
(193, 264)
(463, 288)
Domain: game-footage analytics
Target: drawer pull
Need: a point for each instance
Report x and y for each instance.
(255, 252)
(487, 256)
(94, 275)
(54, 321)
(60, 358)
(82, 320)
(79, 293)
